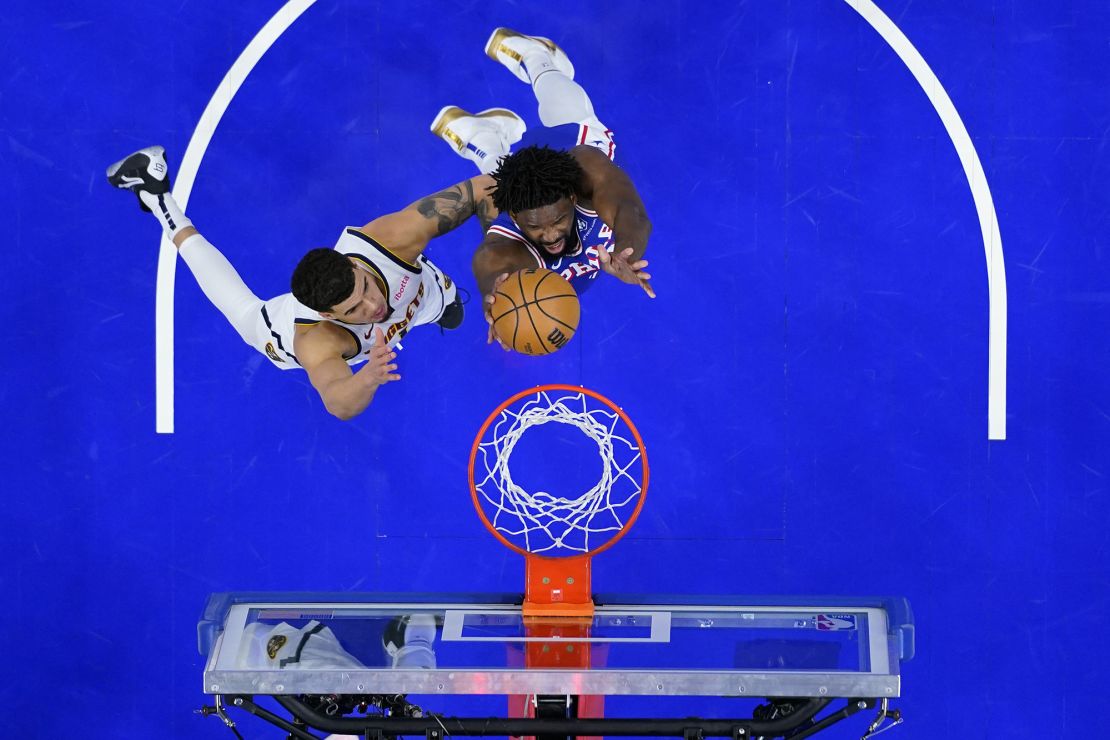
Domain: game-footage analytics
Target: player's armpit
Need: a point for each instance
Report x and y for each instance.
(408, 231)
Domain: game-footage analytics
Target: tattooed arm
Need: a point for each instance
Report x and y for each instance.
(407, 232)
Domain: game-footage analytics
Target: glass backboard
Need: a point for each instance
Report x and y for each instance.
(473, 644)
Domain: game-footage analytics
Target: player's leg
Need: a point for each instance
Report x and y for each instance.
(546, 67)
(221, 284)
(483, 138)
(409, 641)
(543, 65)
(145, 173)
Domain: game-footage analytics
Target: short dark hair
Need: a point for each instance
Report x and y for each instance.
(534, 177)
(323, 279)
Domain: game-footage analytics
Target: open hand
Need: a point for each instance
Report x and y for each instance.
(487, 308)
(624, 269)
(379, 363)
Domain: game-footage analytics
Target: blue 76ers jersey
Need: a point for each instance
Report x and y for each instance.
(581, 267)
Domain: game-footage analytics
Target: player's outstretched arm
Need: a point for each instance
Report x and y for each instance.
(345, 393)
(614, 197)
(408, 231)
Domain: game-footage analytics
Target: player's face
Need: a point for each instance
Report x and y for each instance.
(551, 228)
(365, 305)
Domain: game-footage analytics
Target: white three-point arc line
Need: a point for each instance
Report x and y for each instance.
(186, 176)
(965, 149)
(984, 206)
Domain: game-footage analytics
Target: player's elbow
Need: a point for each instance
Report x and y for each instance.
(343, 414)
(344, 411)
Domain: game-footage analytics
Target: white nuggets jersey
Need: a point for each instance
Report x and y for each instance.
(283, 646)
(416, 293)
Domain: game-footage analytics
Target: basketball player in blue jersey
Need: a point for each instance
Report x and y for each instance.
(349, 305)
(562, 203)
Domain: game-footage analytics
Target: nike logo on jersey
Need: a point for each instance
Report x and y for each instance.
(129, 181)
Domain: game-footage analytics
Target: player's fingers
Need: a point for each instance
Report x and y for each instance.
(603, 256)
(647, 288)
(643, 275)
(626, 252)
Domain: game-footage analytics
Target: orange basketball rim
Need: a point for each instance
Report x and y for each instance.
(558, 535)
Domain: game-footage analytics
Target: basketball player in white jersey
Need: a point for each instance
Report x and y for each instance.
(563, 204)
(349, 305)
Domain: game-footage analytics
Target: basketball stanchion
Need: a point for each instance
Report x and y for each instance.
(558, 531)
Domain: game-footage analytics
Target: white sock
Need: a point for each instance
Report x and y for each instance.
(562, 100)
(221, 284)
(165, 209)
(538, 63)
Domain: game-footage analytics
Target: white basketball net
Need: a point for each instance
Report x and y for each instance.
(542, 522)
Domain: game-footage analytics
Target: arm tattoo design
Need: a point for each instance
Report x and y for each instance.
(484, 216)
(449, 207)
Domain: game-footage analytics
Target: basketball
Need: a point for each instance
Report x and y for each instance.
(535, 311)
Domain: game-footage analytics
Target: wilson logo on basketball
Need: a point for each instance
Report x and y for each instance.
(557, 339)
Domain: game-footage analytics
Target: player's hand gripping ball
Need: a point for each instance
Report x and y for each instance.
(535, 311)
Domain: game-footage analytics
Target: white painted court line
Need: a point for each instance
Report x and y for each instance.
(965, 149)
(984, 205)
(186, 175)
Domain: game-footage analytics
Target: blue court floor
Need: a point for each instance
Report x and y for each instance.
(812, 383)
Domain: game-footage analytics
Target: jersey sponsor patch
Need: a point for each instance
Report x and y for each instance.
(272, 353)
(275, 644)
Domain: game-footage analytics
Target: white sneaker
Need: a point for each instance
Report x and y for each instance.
(510, 48)
(144, 171)
(459, 128)
(421, 628)
(410, 641)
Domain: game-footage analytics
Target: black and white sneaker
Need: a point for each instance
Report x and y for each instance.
(145, 170)
(453, 314)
